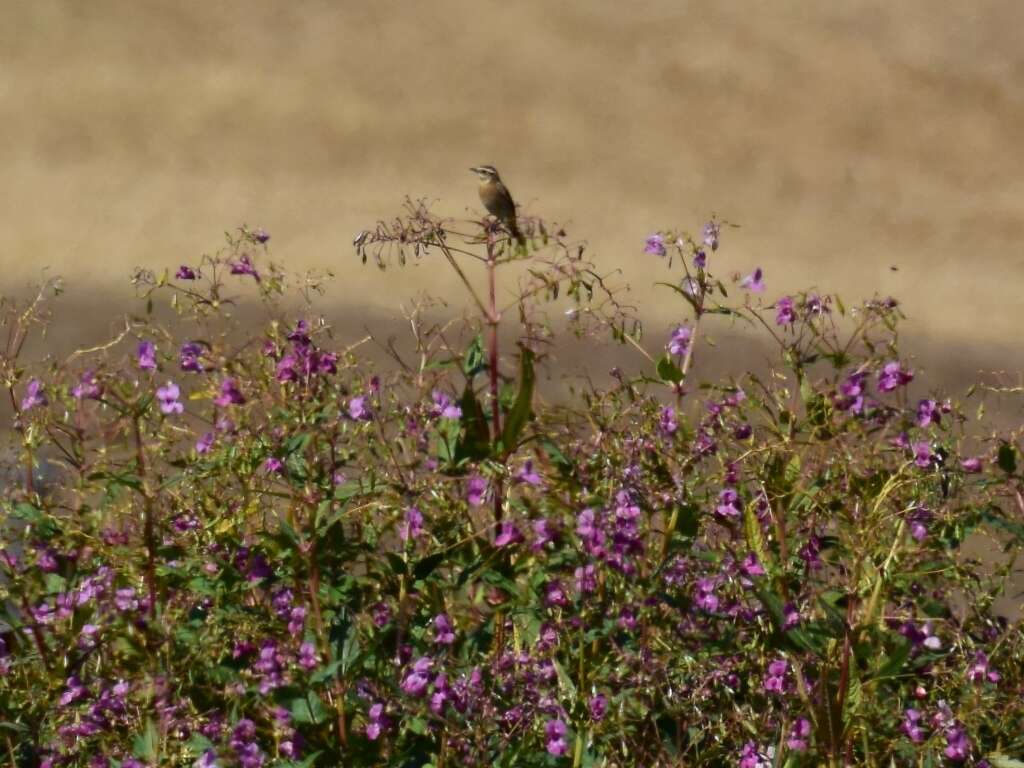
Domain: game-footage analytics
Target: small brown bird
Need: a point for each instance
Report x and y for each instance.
(498, 200)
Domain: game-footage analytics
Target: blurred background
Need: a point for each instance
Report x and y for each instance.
(862, 146)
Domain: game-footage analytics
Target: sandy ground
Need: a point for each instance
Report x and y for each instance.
(846, 138)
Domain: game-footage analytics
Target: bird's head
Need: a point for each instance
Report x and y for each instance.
(486, 172)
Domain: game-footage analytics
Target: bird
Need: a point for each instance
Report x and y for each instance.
(498, 200)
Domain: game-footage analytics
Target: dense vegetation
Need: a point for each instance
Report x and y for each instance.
(254, 548)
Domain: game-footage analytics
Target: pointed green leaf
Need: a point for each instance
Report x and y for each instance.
(520, 413)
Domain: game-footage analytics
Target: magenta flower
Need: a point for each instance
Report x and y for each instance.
(655, 245)
(204, 443)
(958, 746)
(928, 412)
(147, 356)
(476, 490)
(244, 266)
(680, 341)
(189, 355)
(785, 314)
(700, 259)
(273, 466)
(185, 273)
(88, 387)
(444, 406)
(34, 395)
(358, 410)
(527, 474)
(911, 725)
(728, 503)
(416, 681)
(775, 679)
(229, 394)
(598, 707)
(667, 423)
(751, 566)
(892, 376)
(377, 722)
(799, 735)
(444, 632)
(412, 525)
(971, 465)
(261, 235)
(754, 282)
(507, 534)
(923, 456)
(168, 398)
(554, 732)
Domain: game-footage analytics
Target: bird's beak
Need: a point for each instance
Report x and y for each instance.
(473, 170)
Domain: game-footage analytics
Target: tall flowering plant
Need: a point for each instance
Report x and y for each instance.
(232, 542)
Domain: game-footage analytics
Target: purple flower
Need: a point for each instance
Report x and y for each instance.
(785, 313)
(586, 578)
(358, 410)
(444, 406)
(377, 722)
(554, 732)
(700, 259)
(147, 356)
(754, 282)
(728, 503)
(507, 534)
(655, 245)
(912, 725)
(554, 594)
(667, 423)
(790, 617)
(799, 735)
(752, 757)
(444, 632)
(88, 387)
(711, 232)
(34, 395)
(971, 465)
(775, 679)
(416, 681)
(918, 519)
(923, 456)
(979, 671)
(852, 392)
(704, 595)
(273, 466)
(680, 340)
(204, 443)
(928, 412)
(751, 566)
(526, 474)
(958, 746)
(476, 490)
(244, 266)
(168, 398)
(229, 394)
(261, 235)
(185, 273)
(544, 532)
(892, 376)
(307, 657)
(598, 707)
(188, 357)
(412, 525)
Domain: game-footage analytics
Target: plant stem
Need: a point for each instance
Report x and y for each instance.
(149, 524)
(493, 318)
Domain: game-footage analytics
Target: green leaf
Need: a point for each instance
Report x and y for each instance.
(145, 744)
(1007, 458)
(308, 709)
(473, 360)
(476, 439)
(891, 665)
(668, 371)
(564, 680)
(308, 762)
(1002, 761)
(426, 566)
(520, 413)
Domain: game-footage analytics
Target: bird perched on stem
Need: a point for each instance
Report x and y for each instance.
(498, 200)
